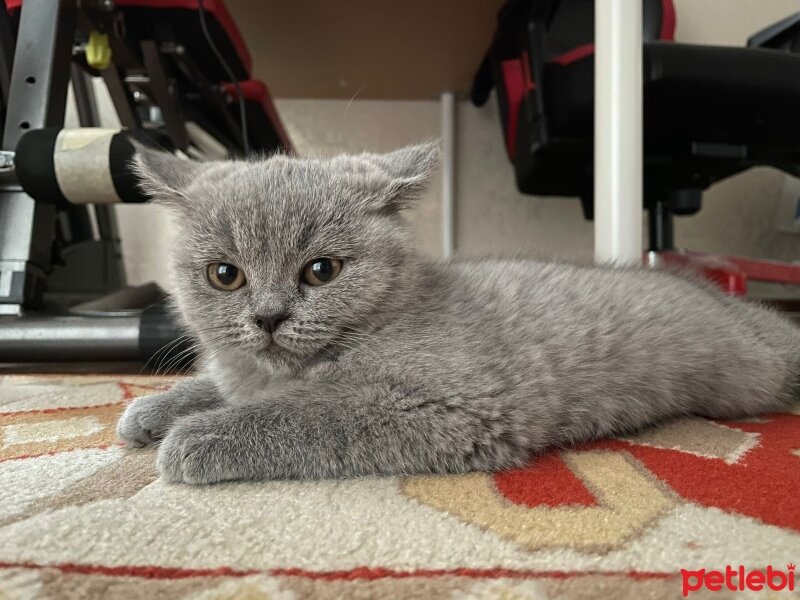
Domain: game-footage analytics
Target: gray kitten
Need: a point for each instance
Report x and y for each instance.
(331, 349)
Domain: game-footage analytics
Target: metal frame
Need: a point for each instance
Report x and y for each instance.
(187, 67)
(7, 41)
(163, 89)
(92, 263)
(37, 99)
(105, 215)
(121, 98)
(29, 230)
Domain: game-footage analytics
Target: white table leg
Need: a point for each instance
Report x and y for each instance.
(618, 132)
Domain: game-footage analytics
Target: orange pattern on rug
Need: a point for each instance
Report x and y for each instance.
(80, 516)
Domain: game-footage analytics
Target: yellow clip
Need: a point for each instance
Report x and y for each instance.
(98, 52)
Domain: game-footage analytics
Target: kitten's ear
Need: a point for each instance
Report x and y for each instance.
(163, 176)
(409, 170)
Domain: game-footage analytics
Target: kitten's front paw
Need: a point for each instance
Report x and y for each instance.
(195, 452)
(144, 421)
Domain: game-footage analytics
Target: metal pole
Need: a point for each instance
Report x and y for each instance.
(448, 174)
(88, 116)
(618, 132)
(85, 102)
(69, 338)
(37, 99)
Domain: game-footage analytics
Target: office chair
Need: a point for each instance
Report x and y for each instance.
(709, 112)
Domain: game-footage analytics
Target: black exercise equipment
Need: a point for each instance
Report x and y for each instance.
(179, 76)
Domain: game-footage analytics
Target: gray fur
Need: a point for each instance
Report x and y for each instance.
(403, 366)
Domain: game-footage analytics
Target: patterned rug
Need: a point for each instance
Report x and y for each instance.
(80, 517)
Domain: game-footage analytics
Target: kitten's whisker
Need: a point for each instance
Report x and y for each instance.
(187, 351)
(165, 349)
(166, 362)
(212, 355)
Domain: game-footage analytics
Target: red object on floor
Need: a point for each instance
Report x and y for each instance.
(716, 269)
(731, 273)
(767, 270)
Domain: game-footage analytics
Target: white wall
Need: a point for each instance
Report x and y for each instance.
(327, 127)
(492, 218)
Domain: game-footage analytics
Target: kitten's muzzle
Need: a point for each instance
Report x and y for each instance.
(269, 323)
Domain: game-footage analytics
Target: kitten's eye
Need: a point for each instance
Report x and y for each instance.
(225, 277)
(321, 271)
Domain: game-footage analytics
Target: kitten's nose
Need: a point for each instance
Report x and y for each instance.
(270, 322)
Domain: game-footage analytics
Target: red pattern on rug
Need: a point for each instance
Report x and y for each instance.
(764, 483)
(547, 482)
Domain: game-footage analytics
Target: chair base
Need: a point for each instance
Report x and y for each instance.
(730, 273)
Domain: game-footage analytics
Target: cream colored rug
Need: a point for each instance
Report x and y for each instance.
(80, 517)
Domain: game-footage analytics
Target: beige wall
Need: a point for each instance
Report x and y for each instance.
(492, 218)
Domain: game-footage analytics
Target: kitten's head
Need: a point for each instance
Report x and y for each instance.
(284, 258)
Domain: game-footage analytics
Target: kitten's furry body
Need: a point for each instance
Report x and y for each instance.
(401, 366)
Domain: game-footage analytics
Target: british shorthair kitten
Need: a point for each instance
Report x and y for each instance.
(330, 348)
